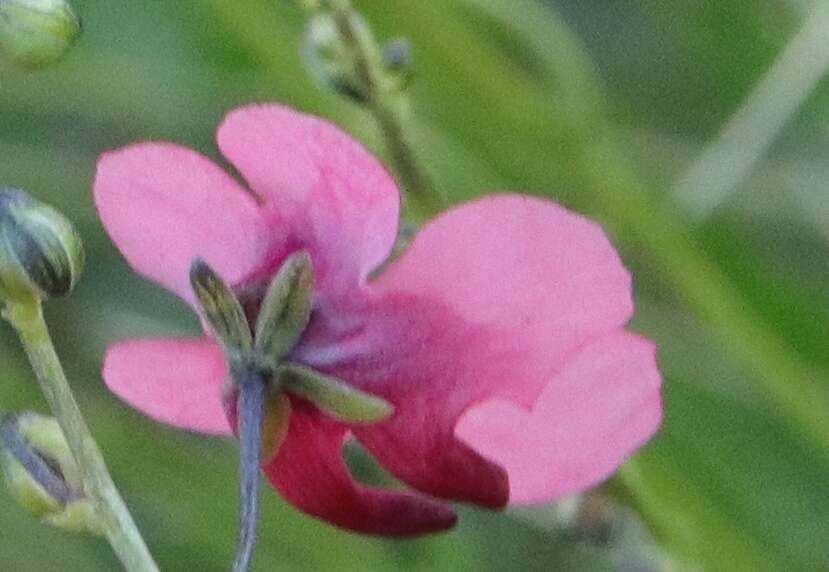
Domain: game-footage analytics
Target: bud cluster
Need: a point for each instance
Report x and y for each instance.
(341, 53)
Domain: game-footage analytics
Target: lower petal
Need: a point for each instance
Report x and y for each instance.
(602, 406)
(310, 473)
(430, 366)
(176, 381)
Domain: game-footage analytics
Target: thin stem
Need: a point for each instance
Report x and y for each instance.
(389, 107)
(251, 409)
(116, 521)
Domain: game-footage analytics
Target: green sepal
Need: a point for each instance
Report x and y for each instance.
(333, 395)
(286, 308)
(77, 516)
(275, 423)
(221, 309)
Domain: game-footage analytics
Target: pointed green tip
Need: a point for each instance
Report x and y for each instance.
(221, 308)
(334, 396)
(286, 308)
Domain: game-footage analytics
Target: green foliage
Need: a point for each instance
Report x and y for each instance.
(599, 105)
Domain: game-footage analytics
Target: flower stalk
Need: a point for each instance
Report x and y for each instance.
(381, 93)
(251, 411)
(41, 256)
(255, 399)
(115, 519)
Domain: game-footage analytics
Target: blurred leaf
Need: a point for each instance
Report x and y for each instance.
(728, 487)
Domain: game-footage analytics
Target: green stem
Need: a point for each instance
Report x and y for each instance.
(251, 410)
(390, 110)
(120, 530)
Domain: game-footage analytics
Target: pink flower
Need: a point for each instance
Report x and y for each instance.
(498, 335)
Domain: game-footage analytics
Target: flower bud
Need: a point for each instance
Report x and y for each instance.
(35, 33)
(41, 473)
(41, 254)
(328, 58)
(397, 61)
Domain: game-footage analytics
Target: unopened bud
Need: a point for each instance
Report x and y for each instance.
(329, 59)
(35, 33)
(41, 254)
(397, 60)
(41, 474)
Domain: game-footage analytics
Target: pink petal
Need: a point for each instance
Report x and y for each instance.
(173, 380)
(309, 472)
(521, 264)
(602, 406)
(338, 200)
(165, 205)
(491, 300)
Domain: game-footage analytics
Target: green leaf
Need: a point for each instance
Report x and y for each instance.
(724, 485)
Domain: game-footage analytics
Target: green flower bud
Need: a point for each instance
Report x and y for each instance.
(328, 58)
(41, 473)
(41, 254)
(35, 33)
(397, 60)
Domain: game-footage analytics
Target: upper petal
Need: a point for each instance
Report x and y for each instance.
(338, 200)
(602, 406)
(523, 264)
(309, 472)
(173, 380)
(164, 205)
(491, 300)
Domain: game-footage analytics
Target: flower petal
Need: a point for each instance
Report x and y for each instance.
(310, 473)
(523, 264)
(338, 199)
(164, 205)
(597, 411)
(491, 300)
(173, 380)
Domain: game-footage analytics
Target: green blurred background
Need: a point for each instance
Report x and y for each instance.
(612, 108)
